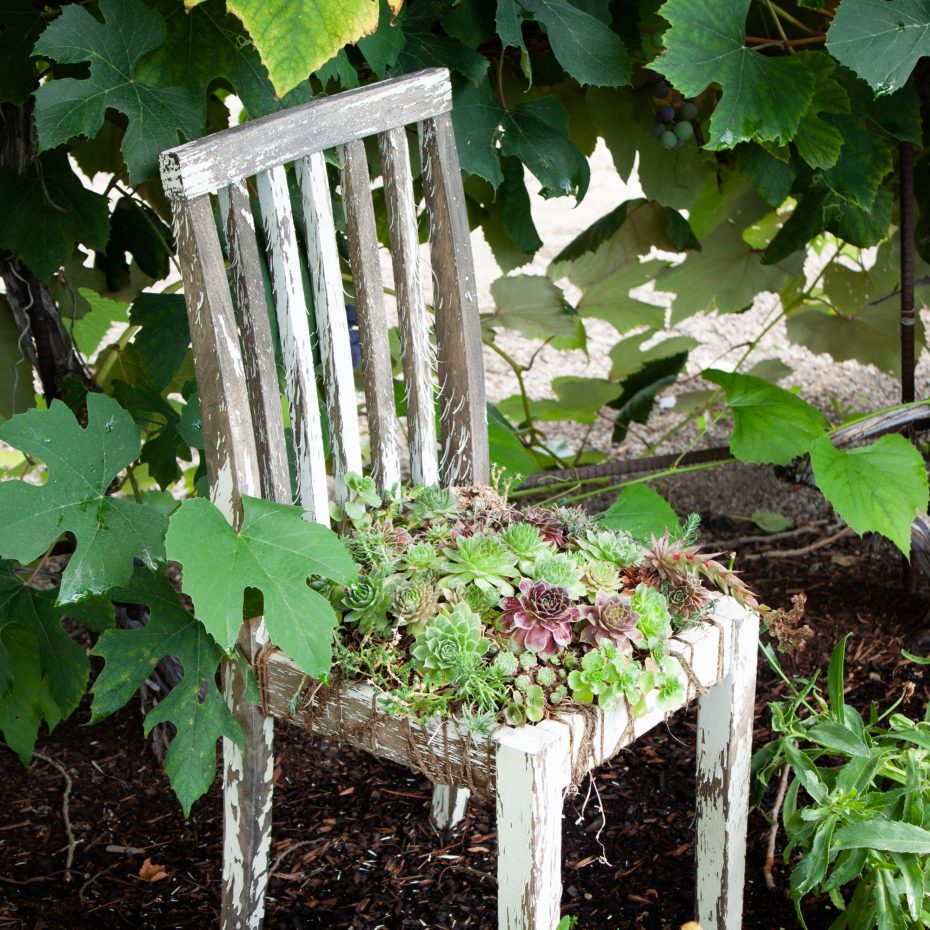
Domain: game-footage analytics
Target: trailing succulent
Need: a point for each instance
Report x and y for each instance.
(466, 606)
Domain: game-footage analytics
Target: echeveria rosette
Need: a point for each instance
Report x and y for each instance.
(539, 618)
(482, 601)
(365, 603)
(561, 569)
(452, 643)
(413, 604)
(601, 576)
(611, 546)
(434, 504)
(655, 621)
(610, 621)
(687, 600)
(526, 542)
(481, 559)
(420, 557)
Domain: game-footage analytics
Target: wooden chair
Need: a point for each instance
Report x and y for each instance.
(528, 768)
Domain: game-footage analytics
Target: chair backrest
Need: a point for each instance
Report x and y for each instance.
(233, 349)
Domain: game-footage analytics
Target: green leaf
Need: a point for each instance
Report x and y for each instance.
(89, 331)
(109, 531)
(425, 49)
(641, 512)
(579, 399)
(809, 872)
(806, 772)
(628, 357)
(516, 215)
(641, 389)
(818, 141)
(532, 305)
(47, 211)
(536, 132)
(770, 521)
(195, 705)
(137, 230)
(274, 551)
(476, 116)
(506, 450)
(16, 391)
(62, 666)
(836, 681)
(770, 424)
(771, 177)
(295, 39)
(163, 338)
(29, 702)
(586, 47)
(838, 739)
(864, 161)
(885, 836)
(382, 47)
(21, 23)
(507, 23)
(877, 488)
(763, 97)
(912, 880)
(159, 114)
(881, 40)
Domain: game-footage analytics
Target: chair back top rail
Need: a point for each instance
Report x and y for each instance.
(206, 165)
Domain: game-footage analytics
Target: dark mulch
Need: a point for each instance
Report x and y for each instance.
(352, 844)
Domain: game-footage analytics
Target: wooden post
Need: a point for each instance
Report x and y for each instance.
(533, 769)
(724, 752)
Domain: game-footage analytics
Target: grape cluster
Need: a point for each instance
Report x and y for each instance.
(354, 340)
(673, 120)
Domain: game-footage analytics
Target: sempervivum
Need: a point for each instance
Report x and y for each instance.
(610, 621)
(451, 644)
(540, 617)
(687, 599)
(547, 523)
(413, 604)
(481, 559)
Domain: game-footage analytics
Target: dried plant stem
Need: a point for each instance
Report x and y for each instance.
(773, 832)
(65, 811)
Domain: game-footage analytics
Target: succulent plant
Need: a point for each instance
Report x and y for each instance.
(609, 676)
(414, 603)
(669, 684)
(547, 524)
(506, 662)
(482, 559)
(539, 618)
(546, 676)
(419, 557)
(365, 603)
(528, 660)
(655, 622)
(434, 504)
(610, 621)
(576, 520)
(610, 546)
(534, 700)
(372, 546)
(526, 542)
(439, 533)
(561, 569)
(482, 601)
(452, 643)
(687, 600)
(601, 576)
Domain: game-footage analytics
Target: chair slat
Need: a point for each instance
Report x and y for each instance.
(331, 325)
(414, 322)
(462, 404)
(296, 347)
(372, 320)
(257, 344)
(210, 163)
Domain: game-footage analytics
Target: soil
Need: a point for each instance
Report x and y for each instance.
(352, 844)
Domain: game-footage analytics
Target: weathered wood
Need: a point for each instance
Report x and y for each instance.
(232, 467)
(332, 328)
(372, 320)
(448, 806)
(724, 753)
(213, 162)
(462, 405)
(414, 323)
(261, 375)
(296, 347)
(532, 775)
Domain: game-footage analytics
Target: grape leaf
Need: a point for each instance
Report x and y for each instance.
(62, 665)
(818, 141)
(109, 531)
(21, 22)
(536, 132)
(763, 97)
(505, 448)
(294, 39)
(516, 216)
(578, 399)
(881, 40)
(382, 47)
(863, 162)
(195, 705)
(584, 45)
(89, 331)
(640, 390)
(770, 425)
(67, 107)
(877, 488)
(28, 702)
(16, 390)
(532, 305)
(508, 24)
(627, 357)
(476, 116)
(163, 338)
(47, 211)
(425, 49)
(771, 177)
(641, 512)
(274, 551)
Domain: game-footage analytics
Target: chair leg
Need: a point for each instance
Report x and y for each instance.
(724, 752)
(247, 790)
(448, 807)
(532, 775)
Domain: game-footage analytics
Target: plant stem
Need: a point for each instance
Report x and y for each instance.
(908, 319)
(789, 18)
(779, 27)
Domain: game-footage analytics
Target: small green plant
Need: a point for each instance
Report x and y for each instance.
(857, 806)
(450, 645)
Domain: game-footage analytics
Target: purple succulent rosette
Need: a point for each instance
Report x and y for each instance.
(610, 621)
(540, 617)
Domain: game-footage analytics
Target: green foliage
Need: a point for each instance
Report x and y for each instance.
(109, 531)
(641, 512)
(451, 644)
(860, 825)
(274, 551)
